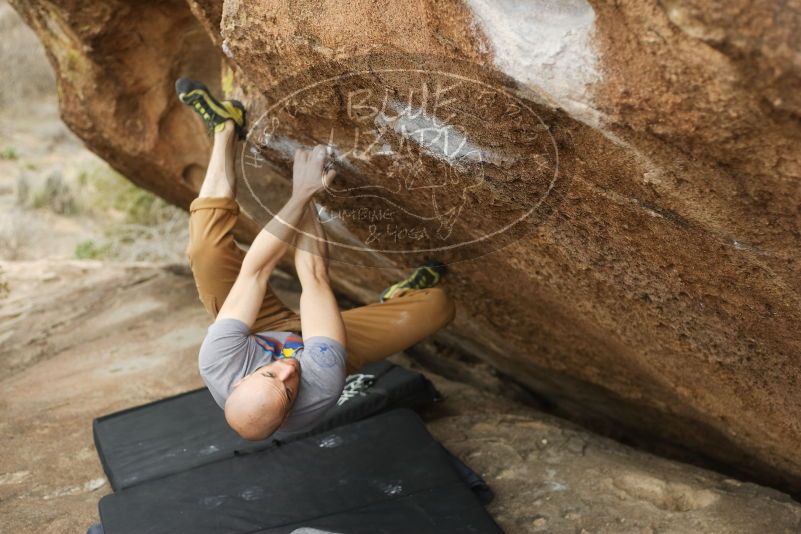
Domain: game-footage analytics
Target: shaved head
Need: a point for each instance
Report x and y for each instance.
(260, 402)
(255, 411)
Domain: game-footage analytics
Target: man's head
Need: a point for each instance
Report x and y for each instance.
(260, 402)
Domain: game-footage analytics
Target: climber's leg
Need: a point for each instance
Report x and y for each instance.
(379, 330)
(214, 257)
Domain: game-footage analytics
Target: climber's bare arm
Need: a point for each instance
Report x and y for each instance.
(247, 293)
(319, 312)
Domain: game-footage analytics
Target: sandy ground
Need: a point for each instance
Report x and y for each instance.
(100, 349)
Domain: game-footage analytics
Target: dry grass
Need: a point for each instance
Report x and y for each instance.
(135, 224)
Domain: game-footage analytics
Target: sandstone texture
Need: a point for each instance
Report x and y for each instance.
(615, 185)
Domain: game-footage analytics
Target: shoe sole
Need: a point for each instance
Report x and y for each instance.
(435, 271)
(190, 91)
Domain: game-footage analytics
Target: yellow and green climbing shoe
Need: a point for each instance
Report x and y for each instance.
(213, 112)
(425, 276)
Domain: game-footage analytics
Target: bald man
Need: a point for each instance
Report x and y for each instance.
(274, 372)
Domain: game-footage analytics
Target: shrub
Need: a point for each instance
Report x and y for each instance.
(108, 191)
(56, 195)
(9, 154)
(89, 250)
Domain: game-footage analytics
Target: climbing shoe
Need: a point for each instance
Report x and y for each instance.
(213, 112)
(425, 276)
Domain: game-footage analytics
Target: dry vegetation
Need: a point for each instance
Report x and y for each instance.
(112, 218)
(57, 199)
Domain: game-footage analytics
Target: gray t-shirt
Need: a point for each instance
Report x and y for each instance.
(230, 352)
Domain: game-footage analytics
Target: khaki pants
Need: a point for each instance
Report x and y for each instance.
(374, 331)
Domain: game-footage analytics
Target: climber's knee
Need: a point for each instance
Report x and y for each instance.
(195, 252)
(441, 307)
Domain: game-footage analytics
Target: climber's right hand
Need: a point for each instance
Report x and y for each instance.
(309, 172)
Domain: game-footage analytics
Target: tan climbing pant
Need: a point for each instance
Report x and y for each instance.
(374, 331)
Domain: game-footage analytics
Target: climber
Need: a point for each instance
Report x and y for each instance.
(275, 372)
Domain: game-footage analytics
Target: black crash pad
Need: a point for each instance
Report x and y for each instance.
(181, 432)
(383, 474)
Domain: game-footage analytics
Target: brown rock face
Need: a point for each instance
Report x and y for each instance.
(616, 187)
